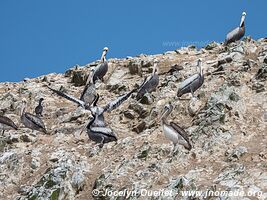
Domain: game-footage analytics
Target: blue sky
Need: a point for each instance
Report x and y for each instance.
(40, 37)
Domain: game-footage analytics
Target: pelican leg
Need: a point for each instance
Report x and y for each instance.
(193, 95)
(175, 150)
(83, 129)
(102, 143)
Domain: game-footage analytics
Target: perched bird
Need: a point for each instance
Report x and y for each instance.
(173, 131)
(102, 68)
(39, 109)
(31, 121)
(89, 92)
(192, 83)
(150, 83)
(237, 33)
(96, 128)
(7, 124)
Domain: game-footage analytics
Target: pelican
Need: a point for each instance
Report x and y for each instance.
(96, 128)
(102, 68)
(31, 121)
(173, 131)
(192, 83)
(39, 109)
(150, 83)
(7, 124)
(89, 92)
(237, 33)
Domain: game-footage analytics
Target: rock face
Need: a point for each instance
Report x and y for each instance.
(226, 126)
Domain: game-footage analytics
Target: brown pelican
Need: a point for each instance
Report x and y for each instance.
(173, 131)
(192, 83)
(96, 128)
(102, 68)
(31, 121)
(7, 124)
(237, 33)
(89, 92)
(39, 109)
(150, 83)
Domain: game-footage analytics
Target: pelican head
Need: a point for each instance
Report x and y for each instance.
(103, 57)
(199, 61)
(96, 111)
(166, 110)
(23, 106)
(90, 78)
(155, 67)
(243, 18)
(199, 65)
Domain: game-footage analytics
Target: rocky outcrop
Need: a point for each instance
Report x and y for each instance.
(226, 126)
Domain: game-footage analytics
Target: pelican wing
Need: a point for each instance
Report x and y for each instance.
(188, 81)
(100, 71)
(103, 130)
(69, 97)
(142, 89)
(7, 121)
(88, 94)
(183, 134)
(117, 102)
(36, 120)
(234, 35)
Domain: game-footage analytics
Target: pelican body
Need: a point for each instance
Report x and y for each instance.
(150, 84)
(173, 131)
(97, 129)
(237, 33)
(102, 68)
(191, 84)
(89, 92)
(31, 121)
(7, 124)
(39, 109)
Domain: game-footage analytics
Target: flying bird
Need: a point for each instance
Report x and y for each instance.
(237, 33)
(191, 84)
(173, 131)
(150, 83)
(97, 129)
(7, 124)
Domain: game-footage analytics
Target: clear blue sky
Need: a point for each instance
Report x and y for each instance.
(40, 37)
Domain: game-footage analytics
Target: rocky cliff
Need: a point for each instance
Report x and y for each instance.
(226, 126)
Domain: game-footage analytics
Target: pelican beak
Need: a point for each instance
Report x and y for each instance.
(163, 114)
(82, 130)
